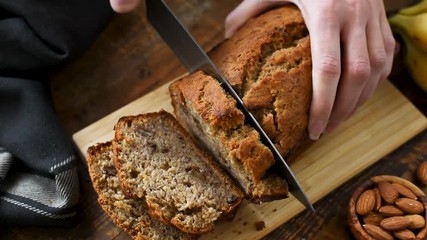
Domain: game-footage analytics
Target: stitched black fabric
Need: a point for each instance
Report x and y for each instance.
(38, 175)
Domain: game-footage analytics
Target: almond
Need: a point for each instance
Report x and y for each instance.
(390, 211)
(404, 234)
(378, 200)
(395, 223)
(422, 173)
(373, 218)
(417, 221)
(388, 192)
(366, 202)
(404, 191)
(377, 232)
(422, 234)
(410, 205)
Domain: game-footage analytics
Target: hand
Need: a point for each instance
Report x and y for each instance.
(352, 50)
(123, 6)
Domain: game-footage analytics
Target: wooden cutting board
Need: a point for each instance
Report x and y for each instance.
(385, 122)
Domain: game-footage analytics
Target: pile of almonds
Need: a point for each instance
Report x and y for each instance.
(391, 211)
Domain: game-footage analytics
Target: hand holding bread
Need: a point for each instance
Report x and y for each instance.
(352, 49)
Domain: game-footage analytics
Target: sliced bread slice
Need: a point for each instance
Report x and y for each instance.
(158, 160)
(129, 214)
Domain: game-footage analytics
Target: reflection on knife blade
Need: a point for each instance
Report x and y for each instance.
(194, 58)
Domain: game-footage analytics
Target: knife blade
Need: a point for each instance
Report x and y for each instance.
(194, 58)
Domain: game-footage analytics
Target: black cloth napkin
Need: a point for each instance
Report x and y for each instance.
(38, 174)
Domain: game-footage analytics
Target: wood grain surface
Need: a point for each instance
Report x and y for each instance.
(128, 61)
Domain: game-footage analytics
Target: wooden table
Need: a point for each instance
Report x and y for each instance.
(128, 61)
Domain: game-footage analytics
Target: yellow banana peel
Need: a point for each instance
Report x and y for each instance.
(411, 24)
(421, 7)
(416, 62)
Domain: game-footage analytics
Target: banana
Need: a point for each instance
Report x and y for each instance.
(412, 28)
(416, 63)
(411, 24)
(414, 10)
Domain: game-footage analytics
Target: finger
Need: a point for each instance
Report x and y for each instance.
(245, 11)
(378, 59)
(382, 51)
(325, 50)
(123, 6)
(390, 45)
(355, 71)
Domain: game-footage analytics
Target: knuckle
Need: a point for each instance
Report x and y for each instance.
(327, 8)
(389, 43)
(379, 58)
(354, 4)
(329, 65)
(360, 69)
(327, 3)
(384, 75)
(357, 7)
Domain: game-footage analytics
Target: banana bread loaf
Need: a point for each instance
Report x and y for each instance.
(268, 63)
(129, 214)
(157, 160)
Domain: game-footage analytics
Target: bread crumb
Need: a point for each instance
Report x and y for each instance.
(259, 225)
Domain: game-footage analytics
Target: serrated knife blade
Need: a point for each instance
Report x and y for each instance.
(194, 58)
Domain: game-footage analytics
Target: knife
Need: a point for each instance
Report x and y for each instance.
(193, 57)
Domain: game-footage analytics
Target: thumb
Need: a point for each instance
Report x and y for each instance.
(123, 6)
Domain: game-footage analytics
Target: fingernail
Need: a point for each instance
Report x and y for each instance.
(332, 126)
(316, 129)
(397, 49)
(351, 113)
